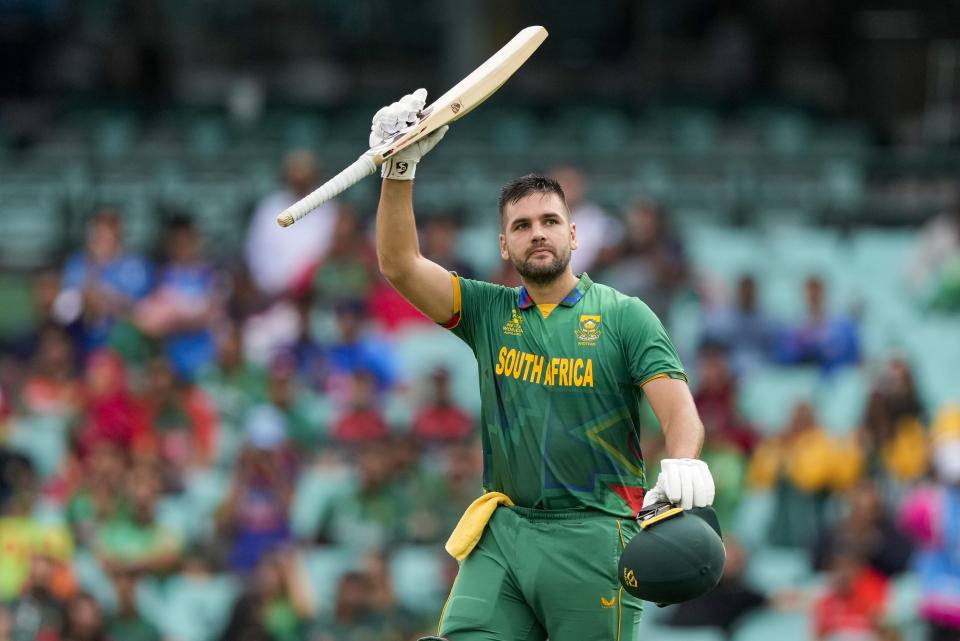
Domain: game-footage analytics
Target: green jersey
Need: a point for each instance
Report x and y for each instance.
(560, 391)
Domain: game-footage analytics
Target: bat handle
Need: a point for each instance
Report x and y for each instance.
(358, 170)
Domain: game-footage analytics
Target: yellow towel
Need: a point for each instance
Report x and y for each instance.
(470, 528)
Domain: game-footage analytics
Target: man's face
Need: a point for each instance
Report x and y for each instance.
(538, 237)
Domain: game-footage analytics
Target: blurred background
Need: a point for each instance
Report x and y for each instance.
(215, 428)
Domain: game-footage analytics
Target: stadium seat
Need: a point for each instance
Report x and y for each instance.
(17, 303)
(207, 137)
(219, 208)
(422, 349)
(840, 400)
(765, 625)
(193, 608)
(606, 132)
(725, 252)
(417, 574)
(323, 567)
(934, 351)
(42, 439)
(115, 135)
(173, 512)
(33, 225)
(752, 517)
(685, 325)
(91, 577)
(315, 488)
(768, 394)
(844, 181)
(903, 602)
(479, 246)
(205, 491)
(136, 201)
(881, 255)
(668, 633)
(776, 568)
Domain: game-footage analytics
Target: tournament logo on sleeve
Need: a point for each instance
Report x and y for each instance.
(589, 330)
(514, 326)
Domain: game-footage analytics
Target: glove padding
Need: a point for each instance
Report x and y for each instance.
(685, 482)
(393, 119)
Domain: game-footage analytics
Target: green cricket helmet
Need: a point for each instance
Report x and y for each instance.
(678, 554)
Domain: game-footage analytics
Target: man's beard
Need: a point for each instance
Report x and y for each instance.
(538, 273)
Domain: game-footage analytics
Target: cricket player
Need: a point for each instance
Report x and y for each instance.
(563, 365)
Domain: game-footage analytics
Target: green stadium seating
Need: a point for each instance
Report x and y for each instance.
(136, 200)
(752, 518)
(417, 574)
(16, 300)
(844, 181)
(323, 567)
(33, 224)
(768, 394)
(903, 602)
(204, 492)
(219, 208)
(840, 400)
(420, 350)
(764, 625)
(190, 607)
(115, 135)
(776, 568)
(42, 439)
(479, 247)
(314, 491)
(92, 578)
(207, 137)
(725, 252)
(667, 633)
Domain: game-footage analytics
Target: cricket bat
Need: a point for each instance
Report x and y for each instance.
(454, 104)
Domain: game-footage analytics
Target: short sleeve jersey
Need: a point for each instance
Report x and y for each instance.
(560, 395)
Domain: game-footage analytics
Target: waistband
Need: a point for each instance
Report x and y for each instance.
(534, 514)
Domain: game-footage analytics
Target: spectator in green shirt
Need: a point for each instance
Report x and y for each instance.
(133, 541)
(127, 624)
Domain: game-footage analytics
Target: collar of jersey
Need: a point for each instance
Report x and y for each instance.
(524, 301)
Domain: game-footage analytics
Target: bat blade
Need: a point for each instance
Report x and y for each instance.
(470, 92)
(457, 102)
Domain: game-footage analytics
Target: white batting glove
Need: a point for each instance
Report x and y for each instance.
(393, 119)
(685, 482)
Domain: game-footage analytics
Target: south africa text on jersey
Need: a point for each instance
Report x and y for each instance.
(556, 372)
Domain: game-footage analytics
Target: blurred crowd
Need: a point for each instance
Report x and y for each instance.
(176, 428)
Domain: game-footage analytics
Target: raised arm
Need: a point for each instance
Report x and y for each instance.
(427, 285)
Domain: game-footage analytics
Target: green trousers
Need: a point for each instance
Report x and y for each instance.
(538, 574)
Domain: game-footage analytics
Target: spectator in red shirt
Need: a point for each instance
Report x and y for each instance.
(112, 413)
(855, 600)
(441, 419)
(362, 421)
(716, 400)
(182, 421)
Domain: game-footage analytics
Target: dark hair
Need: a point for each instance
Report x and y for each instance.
(180, 222)
(524, 186)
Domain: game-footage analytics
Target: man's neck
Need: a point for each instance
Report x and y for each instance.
(554, 291)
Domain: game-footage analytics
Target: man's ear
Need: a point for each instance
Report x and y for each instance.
(503, 248)
(573, 235)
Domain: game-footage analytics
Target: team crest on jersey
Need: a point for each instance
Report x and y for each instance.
(589, 330)
(514, 326)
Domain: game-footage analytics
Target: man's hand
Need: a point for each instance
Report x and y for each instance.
(393, 119)
(685, 482)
